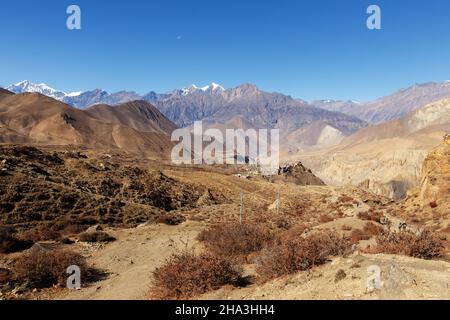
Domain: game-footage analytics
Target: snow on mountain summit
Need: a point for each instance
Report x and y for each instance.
(42, 88)
(211, 88)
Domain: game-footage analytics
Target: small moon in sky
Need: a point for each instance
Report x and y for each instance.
(179, 37)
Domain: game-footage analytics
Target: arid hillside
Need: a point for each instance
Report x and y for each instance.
(34, 118)
(127, 217)
(386, 158)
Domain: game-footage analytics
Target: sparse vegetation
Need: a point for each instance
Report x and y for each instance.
(41, 269)
(234, 240)
(372, 229)
(424, 245)
(358, 235)
(171, 219)
(186, 275)
(371, 215)
(324, 218)
(97, 236)
(286, 257)
(10, 243)
(42, 233)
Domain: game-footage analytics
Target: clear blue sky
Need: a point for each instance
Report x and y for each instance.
(308, 49)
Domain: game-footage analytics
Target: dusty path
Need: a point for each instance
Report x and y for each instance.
(401, 278)
(131, 259)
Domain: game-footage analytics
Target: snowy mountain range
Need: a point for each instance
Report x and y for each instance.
(42, 88)
(186, 105)
(85, 99)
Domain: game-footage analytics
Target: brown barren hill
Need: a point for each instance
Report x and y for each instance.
(5, 93)
(139, 115)
(34, 118)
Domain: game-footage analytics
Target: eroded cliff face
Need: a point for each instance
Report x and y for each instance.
(435, 183)
(389, 174)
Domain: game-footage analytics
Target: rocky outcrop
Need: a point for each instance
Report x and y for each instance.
(297, 174)
(435, 184)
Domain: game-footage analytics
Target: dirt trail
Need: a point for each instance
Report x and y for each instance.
(401, 278)
(131, 259)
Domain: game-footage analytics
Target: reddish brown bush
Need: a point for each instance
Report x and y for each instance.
(9, 243)
(43, 269)
(424, 245)
(358, 235)
(234, 239)
(372, 229)
(433, 204)
(325, 218)
(97, 236)
(371, 216)
(286, 257)
(186, 275)
(171, 219)
(345, 198)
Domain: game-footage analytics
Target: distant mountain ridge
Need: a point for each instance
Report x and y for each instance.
(391, 107)
(217, 106)
(303, 125)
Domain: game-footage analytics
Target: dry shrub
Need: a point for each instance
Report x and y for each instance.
(171, 219)
(294, 233)
(42, 269)
(97, 236)
(287, 257)
(446, 229)
(371, 215)
(358, 235)
(433, 204)
(325, 218)
(42, 233)
(372, 229)
(346, 228)
(9, 243)
(5, 276)
(186, 275)
(234, 239)
(72, 229)
(424, 245)
(345, 199)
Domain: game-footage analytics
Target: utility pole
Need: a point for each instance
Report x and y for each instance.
(241, 216)
(278, 202)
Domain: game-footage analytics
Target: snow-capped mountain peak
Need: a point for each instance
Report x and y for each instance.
(211, 88)
(75, 94)
(42, 88)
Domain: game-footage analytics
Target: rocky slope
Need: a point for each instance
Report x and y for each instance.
(386, 158)
(394, 106)
(435, 183)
